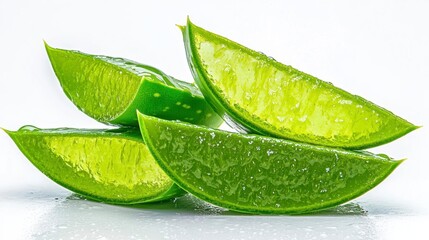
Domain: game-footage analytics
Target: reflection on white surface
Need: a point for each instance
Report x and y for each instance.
(61, 215)
(187, 219)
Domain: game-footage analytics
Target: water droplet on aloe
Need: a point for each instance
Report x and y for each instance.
(29, 128)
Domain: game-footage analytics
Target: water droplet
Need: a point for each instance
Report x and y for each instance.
(227, 68)
(339, 120)
(29, 128)
(303, 118)
(262, 53)
(281, 118)
(327, 169)
(201, 139)
(269, 152)
(213, 135)
(295, 78)
(343, 101)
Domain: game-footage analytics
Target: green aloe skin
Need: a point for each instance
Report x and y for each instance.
(113, 166)
(255, 93)
(258, 174)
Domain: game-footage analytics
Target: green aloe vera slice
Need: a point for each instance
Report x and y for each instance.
(111, 89)
(255, 93)
(113, 166)
(258, 174)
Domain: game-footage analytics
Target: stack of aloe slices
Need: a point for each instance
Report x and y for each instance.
(296, 154)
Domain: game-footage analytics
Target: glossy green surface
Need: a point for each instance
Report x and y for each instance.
(112, 166)
(111, 89)
(257, 174)
(258, 94)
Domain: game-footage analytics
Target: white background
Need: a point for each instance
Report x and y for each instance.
(376, 49)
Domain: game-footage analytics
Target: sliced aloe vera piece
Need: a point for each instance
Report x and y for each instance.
(255, 93)
(113, 166)
(111, 89)
(257, 174)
